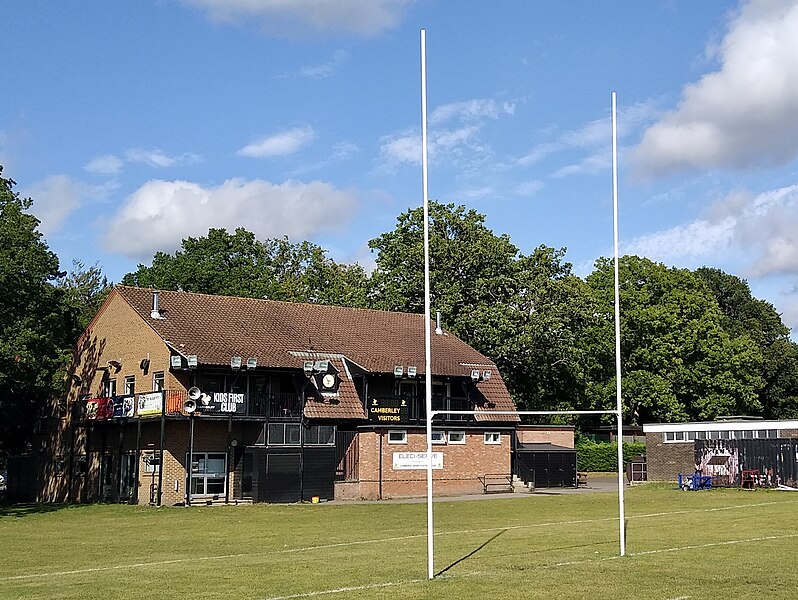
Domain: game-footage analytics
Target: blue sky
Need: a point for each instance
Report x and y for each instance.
(136, 124)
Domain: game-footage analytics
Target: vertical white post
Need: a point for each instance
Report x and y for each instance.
(618, 401)
(427, 308)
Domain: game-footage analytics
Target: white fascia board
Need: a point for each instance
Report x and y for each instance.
(719, 426)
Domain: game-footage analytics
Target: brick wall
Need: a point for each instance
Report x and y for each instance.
(559, 436)
(462, 465)
(665, 461)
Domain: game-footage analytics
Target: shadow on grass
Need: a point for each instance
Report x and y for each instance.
(470, 554)
(29, 509)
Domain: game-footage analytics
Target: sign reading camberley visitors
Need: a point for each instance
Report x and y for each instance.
(388, 410)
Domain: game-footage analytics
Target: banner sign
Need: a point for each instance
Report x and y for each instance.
(99, 409)
(123, 407)
(150, 404)
(388, 410)
(223, 402)
(406, 461)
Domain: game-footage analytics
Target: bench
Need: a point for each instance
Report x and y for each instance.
(581, 479)
(496, 482)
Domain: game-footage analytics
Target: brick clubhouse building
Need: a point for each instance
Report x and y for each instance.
(180, 397)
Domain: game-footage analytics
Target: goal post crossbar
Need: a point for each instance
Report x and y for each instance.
(434, 413)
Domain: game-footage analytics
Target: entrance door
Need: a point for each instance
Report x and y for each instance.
(127, 478)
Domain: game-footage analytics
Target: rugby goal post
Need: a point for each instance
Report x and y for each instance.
(493, 413)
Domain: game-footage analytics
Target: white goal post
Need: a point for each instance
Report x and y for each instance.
(492, 413)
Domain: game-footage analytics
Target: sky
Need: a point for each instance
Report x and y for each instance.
(133, 125)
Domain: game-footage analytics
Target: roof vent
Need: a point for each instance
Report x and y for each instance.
(155, 313)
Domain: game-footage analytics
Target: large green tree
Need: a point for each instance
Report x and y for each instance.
(747, 317)
(524, 312)
(238, 264)
(678, 361)
(37, 324)
(86, 290)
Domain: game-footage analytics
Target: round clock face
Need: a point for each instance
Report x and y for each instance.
(328, 380)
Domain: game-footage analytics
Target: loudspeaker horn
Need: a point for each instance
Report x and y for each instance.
(194, 393)
(189, 406)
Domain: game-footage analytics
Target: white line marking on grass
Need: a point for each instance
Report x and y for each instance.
(378, 541)
(354, 588)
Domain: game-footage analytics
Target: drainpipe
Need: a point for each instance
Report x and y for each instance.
(163, 434)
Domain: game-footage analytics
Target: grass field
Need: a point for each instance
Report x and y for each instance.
(709, 544)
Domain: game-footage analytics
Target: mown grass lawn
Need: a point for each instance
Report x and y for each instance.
(710, 544)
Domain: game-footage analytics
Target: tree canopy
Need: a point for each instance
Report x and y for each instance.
(37, 324)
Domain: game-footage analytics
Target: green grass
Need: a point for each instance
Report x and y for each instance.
(711, 544)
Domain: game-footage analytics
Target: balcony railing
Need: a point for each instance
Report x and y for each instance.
(274, 406)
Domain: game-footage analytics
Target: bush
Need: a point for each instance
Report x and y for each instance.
(603, 456)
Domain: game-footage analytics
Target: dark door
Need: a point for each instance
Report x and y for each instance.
(283, 479)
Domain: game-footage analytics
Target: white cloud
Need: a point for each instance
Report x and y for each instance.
(453, 136)
(758, 230)
(56, 197)
(157, 158)
(327, 69)
(107, 164)
(279, 144)
(283, 17)
(529, 188)
(160, 214)
(743, 114)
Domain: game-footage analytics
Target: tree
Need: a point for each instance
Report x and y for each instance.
(37, 325)
(524, 312)
(86, 290)
(239, 265)
(677, 359)
(747, 317)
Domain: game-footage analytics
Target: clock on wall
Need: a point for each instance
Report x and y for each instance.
(328, 381)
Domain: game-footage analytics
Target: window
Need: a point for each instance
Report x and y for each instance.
(81, 465)
(60, 466)
(438, 436)
(109, 388)
(320, 435)
(457, 437)
(157, 381)
(130, 385)
(284, 434)
(670, 436)
(208, 474)
(152, 460)
(493, 437)
(700, 435)
(397, 436)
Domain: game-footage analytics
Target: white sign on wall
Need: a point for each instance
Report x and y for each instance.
(150, 404)
(405, 461)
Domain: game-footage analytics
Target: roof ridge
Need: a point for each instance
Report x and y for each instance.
(269, 300)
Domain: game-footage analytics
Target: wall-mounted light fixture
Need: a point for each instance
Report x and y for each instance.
(116, 364)
(411, 371)
(321, 366)
(486, 374)
(192, 361)
(475, 375)
(307, 367)
(235, 363)
(176, 361)
(398, 371)
(252, 362)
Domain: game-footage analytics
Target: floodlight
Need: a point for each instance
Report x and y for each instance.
(308, 367)
(252, 362)
(411, 371)
(192, 361)
(486, 374)
(235, 363)
(398, 370)
(321, 366)
(475, 375)
(176, 361)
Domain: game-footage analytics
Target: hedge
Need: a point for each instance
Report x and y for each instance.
(603, 456)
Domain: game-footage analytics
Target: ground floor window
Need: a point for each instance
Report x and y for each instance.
(493, 437)
(397, 436)
(208, 474)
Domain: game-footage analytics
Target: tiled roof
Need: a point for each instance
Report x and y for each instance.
(215, 328)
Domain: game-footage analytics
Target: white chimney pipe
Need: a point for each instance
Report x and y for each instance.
(155, 313)
(438, 330)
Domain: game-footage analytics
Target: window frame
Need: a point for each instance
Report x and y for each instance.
(156, 377)
(402, 436)
(129, 385)
(460, 442)
(488, 438)
(441, 437)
